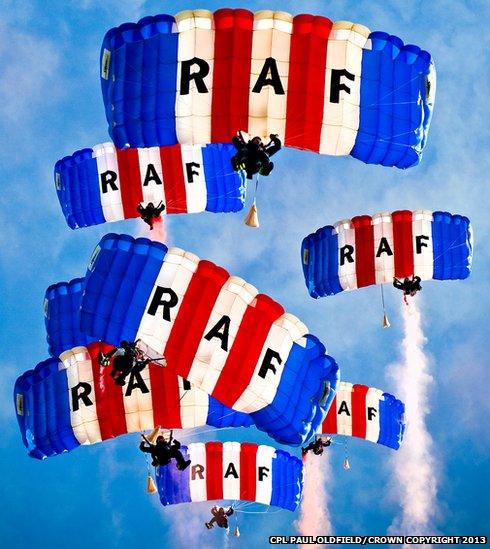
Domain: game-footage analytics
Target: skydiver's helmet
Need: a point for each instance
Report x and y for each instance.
(125, 344)
(257, 141)
(150, 206)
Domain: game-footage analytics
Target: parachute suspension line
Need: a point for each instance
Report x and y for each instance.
(236, 532)
(345, 463)
(252, 219)
(150, 483)
(386, 322)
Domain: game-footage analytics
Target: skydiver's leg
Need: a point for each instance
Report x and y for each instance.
(266, 168)
(252, 166)
(123, 366)
(182, 464)
(139, 366)
(239, 159)
(237, 142)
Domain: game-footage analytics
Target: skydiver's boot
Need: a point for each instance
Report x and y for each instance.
(119, 380)
(266, 170)
(209, 525)
(182, 466)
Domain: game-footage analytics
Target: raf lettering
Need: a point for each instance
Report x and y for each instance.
(108, 178)
(80, 393)
(382, 247)
(198, 471)
(165, 299)
(195, 70)
(343, 409)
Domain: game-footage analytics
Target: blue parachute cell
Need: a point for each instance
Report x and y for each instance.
(391, 421)
(62, 316)
(43, 410)
(396, 102)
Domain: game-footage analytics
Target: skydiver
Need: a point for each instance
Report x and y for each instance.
(220, 517)
(408, 286)
(163, 451)
(126, 358)
(254, 156)
(150, 212)
(317, 446)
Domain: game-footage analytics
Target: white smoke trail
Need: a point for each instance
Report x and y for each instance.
(314, 517)
(414, 465)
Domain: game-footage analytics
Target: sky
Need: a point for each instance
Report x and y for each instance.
(50, 106)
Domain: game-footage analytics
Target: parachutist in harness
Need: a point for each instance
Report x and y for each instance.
(125, 359)
(150, 212)
(317, 446)
(220, 517)
(408, 286)
(163, 451)
(254, 156)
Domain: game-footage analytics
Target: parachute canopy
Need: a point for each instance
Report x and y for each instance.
(366, 412)
(233, 471)
(107, 184)
(334, 88)
(64, 403)
(213, 329)
(369, 250)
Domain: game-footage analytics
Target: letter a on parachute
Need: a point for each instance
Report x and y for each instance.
(214, 330)
(334, 88)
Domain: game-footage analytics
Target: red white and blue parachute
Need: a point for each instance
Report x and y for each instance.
(233, 471)
(367, 250)
(107, 184)
(70, 399)
(366, 412)
(214, 330)
(330, 87)
(73, 401)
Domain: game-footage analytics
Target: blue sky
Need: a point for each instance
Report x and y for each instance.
(50, 105)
